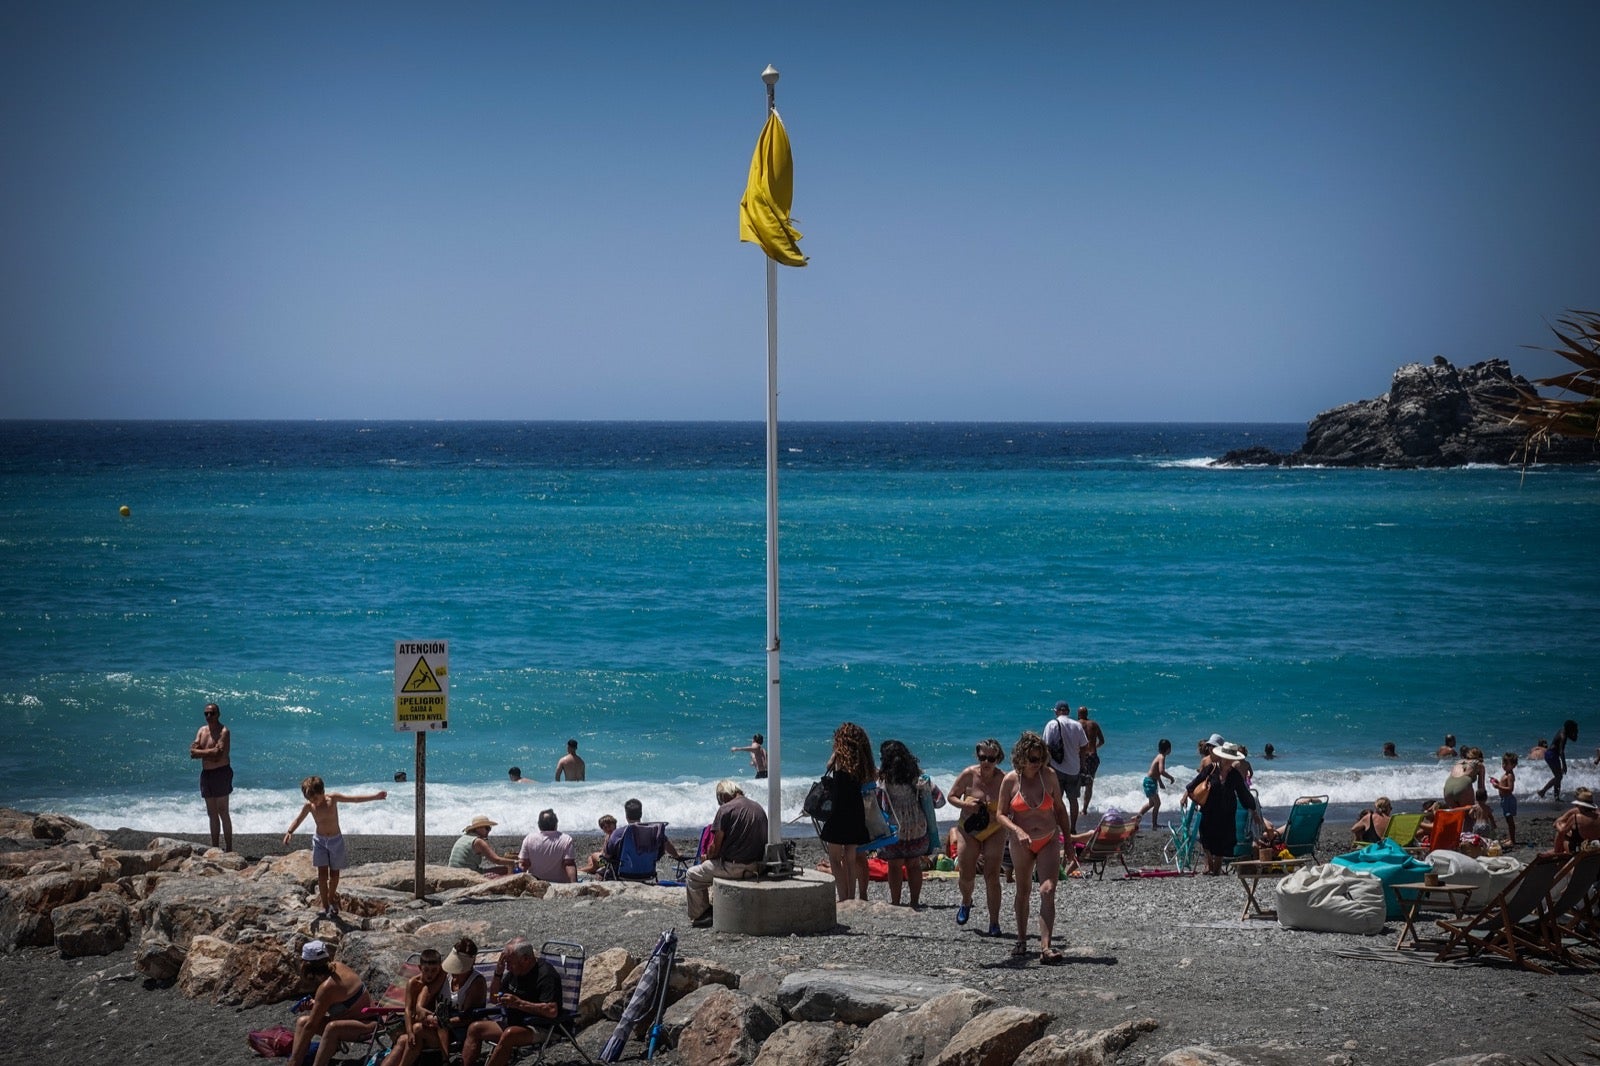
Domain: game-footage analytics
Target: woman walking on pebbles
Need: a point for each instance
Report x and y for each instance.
(978, 830)
(845, 829)
(1033, 812)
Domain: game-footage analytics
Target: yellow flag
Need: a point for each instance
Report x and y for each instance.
(764, 211)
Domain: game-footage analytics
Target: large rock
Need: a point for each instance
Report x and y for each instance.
(1078, 1048)
(158, 958)
(402, 877)
(994, 1038)
(910, 1038)
(26, 904)
(727, 1029)
(808, 1044)
(246, 974)
(181, 907)
(849, 996)
(1433, 415)
(603, 974)
(95, 925)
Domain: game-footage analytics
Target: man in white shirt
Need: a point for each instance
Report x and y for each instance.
(1065, 738)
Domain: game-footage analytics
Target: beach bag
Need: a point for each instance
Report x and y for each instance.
(881, 830)
(273, 1043)
(932, 800)
(976, 821)
(819, 799)
(1200, 792)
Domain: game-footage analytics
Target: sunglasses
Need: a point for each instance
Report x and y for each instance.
(988, 758)
(1031, 760)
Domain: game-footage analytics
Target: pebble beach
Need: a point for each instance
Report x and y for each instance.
(1171, 949)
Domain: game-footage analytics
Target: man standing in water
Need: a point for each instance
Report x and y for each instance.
(1091, 753)
(570, 767)
(211, 746)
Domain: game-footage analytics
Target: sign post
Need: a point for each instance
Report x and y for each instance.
(421, 704)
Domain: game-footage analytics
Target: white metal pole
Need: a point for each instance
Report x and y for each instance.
(774, 716)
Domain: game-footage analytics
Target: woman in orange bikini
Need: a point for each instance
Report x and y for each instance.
(1034, 814)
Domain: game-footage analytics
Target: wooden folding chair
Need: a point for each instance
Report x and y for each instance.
(1509, 924)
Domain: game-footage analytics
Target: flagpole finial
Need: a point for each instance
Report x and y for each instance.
(770, 75)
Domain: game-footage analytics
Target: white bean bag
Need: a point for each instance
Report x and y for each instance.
(1487, 875)
(1331, 899)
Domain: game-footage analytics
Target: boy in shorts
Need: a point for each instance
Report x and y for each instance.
(327, 842)
(1506, 785)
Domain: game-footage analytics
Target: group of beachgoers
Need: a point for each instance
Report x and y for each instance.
(449, 1005)
(1466, 788)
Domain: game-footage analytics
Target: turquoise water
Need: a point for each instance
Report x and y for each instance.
(605, 582)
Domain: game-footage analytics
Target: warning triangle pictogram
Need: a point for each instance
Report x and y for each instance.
(421, 679)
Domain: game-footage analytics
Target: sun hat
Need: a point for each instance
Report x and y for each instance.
(1230, 752)
(1584, 798)
(455, 962)
(1214, 739)
(314, 951)
(479, 822)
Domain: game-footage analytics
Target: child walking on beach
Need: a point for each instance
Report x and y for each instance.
(1505, 784)
(327, 842)
(1152, 783)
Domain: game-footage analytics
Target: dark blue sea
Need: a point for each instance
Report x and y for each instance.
(941, 583)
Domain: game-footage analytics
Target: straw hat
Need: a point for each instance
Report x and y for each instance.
(1583, 798)
(480, 822)
(1230, 752)
(457, 963)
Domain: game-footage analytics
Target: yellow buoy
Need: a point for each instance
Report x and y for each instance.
(124, 511)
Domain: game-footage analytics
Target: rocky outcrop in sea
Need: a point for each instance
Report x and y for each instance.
(1433, 415)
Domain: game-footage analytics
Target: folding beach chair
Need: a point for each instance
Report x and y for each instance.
(1567, 915)
(567, 959)
(649, 994)
(643, 844)
(680, 869)
(1508, 925)
(1184, 840)
(1248, 830)
(1110, 837)
(1403, 828)
(1447, 826)
(1304, 825)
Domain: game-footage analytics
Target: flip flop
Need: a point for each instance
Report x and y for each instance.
(994, 930)
(1019, 949)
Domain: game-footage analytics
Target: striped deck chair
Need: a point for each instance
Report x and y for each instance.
(1107, 843)
(1571, 903)
(567, 959)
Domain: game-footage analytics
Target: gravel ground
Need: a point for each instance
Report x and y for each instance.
(1172, 949)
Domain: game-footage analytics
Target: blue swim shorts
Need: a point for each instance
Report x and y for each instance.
(329, 852)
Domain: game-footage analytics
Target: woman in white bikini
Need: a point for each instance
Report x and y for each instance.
(1033, 812)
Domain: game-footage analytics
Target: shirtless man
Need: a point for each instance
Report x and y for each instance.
(1090, 763)
(1447, 750)
(570, 767)
(211, 746)
(758, 754)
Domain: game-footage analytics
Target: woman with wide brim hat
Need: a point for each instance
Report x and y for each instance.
(1579, 825)
(1225, 793)
(472, 850)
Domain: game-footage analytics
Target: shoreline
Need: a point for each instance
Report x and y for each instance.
(1173, 949)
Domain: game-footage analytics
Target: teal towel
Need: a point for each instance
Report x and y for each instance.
(1389, 863)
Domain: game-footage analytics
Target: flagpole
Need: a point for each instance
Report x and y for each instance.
(774, 723)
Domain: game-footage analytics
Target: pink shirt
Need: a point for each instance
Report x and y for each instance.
(547, 854)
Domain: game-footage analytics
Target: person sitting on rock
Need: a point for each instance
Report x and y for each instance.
(528, 990)
(472, 850)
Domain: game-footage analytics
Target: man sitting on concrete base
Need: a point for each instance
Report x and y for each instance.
(738, 844)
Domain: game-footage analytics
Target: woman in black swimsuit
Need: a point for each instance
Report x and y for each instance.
(845, 830)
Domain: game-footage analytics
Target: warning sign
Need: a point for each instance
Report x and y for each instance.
(421, 685)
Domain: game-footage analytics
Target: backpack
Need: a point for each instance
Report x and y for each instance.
(273, 1043)
(819, 800)
(1057, 746)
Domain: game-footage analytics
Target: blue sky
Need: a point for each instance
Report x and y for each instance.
(1015, 211)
